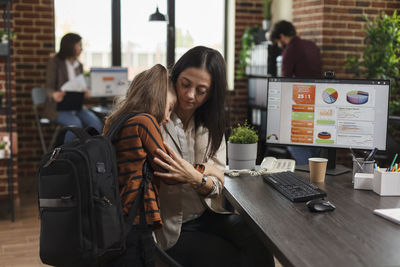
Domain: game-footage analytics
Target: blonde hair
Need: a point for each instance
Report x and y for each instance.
(146, 94)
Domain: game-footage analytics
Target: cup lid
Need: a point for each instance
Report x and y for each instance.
(318, 159)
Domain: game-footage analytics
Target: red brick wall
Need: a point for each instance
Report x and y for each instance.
(336, 26)
(34, 27)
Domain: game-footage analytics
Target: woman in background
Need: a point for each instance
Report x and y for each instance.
(197, 230)
(62, 68)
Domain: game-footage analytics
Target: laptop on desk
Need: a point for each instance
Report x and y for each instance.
(71, 101)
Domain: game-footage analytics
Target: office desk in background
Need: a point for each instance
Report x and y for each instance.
(349, 236)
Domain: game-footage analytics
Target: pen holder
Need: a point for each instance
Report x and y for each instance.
(362, 166)
(386, 183)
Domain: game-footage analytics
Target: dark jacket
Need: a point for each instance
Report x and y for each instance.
(56, 76)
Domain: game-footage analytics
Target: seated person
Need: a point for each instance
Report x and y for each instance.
(62, 68)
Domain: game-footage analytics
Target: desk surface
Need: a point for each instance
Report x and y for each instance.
(351, 235)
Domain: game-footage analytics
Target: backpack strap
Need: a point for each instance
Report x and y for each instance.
(118, 124)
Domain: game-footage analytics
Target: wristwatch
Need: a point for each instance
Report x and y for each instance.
(203, 182)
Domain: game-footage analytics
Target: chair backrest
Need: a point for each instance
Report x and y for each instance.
(38, 96)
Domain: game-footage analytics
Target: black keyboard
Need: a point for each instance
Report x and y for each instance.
(293, 187)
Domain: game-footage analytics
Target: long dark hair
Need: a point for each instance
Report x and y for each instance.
(211, 114)
(67, 45)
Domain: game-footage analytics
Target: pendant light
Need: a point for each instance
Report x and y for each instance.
(157, 16)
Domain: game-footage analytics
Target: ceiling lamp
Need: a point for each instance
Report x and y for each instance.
(157, 16)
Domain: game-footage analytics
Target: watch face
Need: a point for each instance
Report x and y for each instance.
(204, 180)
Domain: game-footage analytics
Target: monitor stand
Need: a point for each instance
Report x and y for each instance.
(331, 168)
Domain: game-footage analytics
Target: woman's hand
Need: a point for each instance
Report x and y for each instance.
(58, 96)
(213, 170)
(178, 169)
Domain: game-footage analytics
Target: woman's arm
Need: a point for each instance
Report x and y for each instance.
(213, 170)
(179, 168)
(51, 83)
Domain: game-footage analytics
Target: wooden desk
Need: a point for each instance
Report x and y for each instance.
(351, 235)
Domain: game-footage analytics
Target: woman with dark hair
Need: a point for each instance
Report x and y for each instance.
(152, 97)
(62, 68)
(197, 230)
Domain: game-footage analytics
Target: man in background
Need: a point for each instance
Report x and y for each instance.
(300, 59)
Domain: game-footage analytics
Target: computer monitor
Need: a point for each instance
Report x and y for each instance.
(328, 113)
(107, 82)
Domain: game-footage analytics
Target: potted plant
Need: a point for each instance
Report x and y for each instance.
(4, 41)
(381, 60)
(2, 149)
(242, 147)
(267, 14)
(381, 56)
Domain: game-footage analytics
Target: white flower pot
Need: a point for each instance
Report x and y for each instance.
(266, 24)
(242, 156)
(2, 153)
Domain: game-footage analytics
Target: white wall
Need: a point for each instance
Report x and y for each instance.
(282, 10)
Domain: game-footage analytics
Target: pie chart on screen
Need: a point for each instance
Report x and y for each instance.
(329, 95)
(357, 97)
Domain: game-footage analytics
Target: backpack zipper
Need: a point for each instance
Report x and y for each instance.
(53, 156)
(107, 201)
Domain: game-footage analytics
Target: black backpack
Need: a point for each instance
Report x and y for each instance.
(82, 222)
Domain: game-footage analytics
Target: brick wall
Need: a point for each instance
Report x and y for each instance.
(34, 27)
(336, 27)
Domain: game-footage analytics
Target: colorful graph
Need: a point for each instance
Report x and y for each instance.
(357, 97)
(330, 95)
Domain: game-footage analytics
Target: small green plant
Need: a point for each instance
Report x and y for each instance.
(243, 134)
(2, 145)
(4, 36)
(381, 56)
(249, 39)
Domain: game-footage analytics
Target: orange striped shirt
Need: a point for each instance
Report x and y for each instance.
(137, 141)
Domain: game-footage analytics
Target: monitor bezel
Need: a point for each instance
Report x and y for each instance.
(327, 80)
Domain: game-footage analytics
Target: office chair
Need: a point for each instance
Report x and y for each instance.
(39, 98)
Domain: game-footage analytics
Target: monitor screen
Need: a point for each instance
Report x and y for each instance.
(328, 112)
(106, 82)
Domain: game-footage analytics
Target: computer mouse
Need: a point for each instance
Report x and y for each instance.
(318, 205)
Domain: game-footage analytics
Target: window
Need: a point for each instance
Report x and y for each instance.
(143, 43)
(199, 23)
(141, 40)
(91, 19)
